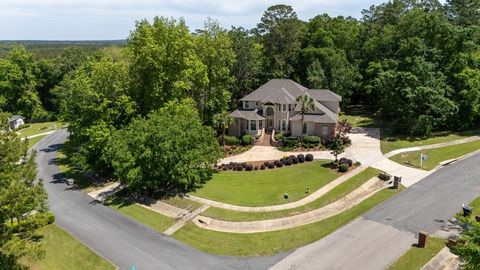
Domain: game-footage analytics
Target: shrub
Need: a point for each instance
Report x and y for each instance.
(279, 137)
(256, 168)
(343, 167)
(311, 140)
(347, 161)
(346, 141)
(279, 164)
(289, 162)
(225, 168)
(309, 157)
(384, 176)
(246, 139)
(357, 163)
(283, 160)
(290, 141)
(301, 158)
(265, 163)
(232, 140)
(271, 165)
(334, 165)
(249, 167)
(295, 160)
(262, 167)
(239, 168)
(244, 165)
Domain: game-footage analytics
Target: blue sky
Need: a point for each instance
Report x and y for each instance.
(114, 19)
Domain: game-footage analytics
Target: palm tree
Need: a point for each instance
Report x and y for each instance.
(222, 120)
(307, 105)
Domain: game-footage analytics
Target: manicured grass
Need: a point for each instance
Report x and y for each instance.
(62, 251)
(259, 244)
(394, 142)
(437, 155)
(35, 140)
(37, 128)
(154, 220)
(335, 194)
(182, 203)
(416, 258)
(358, 116)
(260, 188)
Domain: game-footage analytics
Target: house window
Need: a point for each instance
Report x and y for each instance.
(253, 125)
(269, 111)
(246, 104)
(257, 103)
(260, 124)
(305, 128)
(284, 125)
(324, 130)
(284, 107)
(290, 107)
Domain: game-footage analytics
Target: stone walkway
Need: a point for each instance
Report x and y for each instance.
(354, 198)
(184, 219)
(310, 198)
(103, 193)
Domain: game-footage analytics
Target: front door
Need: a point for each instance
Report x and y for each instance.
(269, 124)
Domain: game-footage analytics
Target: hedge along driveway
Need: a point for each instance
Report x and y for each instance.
(263, 188)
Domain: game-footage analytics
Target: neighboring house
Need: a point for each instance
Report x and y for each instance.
(16, 121)
(273, 106)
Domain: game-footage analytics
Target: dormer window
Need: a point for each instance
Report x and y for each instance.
(284, 108)
(246, 104)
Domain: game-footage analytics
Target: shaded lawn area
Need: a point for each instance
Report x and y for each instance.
(154, 220)
(437, 155)
(62, 251)
(69, 171)
(358, 116)
(33, 141)
(335, 194)
(37, 128)
(181, 203)
(260, 188)
(390, 142)
(263, 244)
(415, 258)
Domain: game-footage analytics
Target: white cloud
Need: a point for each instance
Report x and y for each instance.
(113, 19)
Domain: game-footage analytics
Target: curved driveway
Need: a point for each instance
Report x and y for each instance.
(119, 239)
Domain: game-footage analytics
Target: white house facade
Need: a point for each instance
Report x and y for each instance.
(273, 106)
(16, 121)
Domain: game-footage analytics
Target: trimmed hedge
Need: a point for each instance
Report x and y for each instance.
(301, 158)
(309, 157)
(246, 139)
(311, 140)
(347, 161)
(291, 141)
(343, 167)
(279, 137)
(232, 140)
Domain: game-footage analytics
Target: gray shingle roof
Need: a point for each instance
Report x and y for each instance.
(324, 95)
(15, 117)
(278, 86)
(247, 114)
(315, 118)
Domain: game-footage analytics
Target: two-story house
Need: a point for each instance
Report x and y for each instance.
(273, 106)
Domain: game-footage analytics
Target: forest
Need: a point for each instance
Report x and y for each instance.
(413, 63)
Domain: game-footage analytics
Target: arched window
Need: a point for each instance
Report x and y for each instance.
(269, 111)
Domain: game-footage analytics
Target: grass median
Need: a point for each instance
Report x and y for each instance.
(262, 244)
(38, 128)
(262, 188)
(416, 258)
(152, 219)
(335, 194)
(435, 156)
(62, 251)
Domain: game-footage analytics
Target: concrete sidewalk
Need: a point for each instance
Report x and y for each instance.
(354, 198)
(310, 198)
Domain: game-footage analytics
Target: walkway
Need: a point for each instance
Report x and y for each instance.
(431, 146)
(310, 198)
(354, 198)
(38, 135)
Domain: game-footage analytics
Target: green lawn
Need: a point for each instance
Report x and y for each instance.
(37, 128)
(260, 244)
(62, 251)
(416, 257)
(337, 193)
(260, 188)
(358, 116)
(33, 141)
(394, 142)
(154, 220)
(437, 155)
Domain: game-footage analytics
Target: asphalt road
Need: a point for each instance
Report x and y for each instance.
(120, 239)
(388, 230)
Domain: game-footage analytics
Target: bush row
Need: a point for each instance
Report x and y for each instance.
(286, 161)
(232, 140)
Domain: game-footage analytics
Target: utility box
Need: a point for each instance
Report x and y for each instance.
(422, 239)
